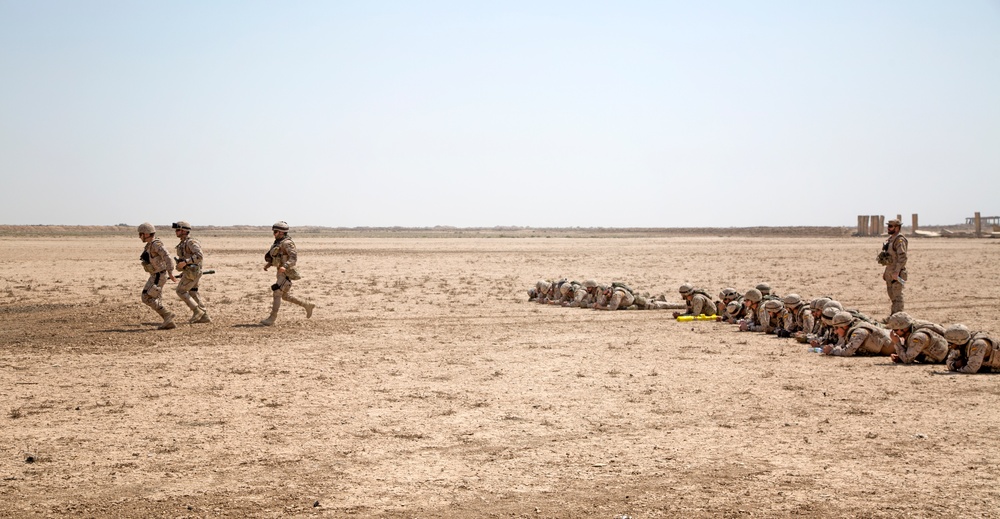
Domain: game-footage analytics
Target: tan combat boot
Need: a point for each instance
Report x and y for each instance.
(196, 312)
(275, 305)
(197, 299)
(168, 319)
(304, 304)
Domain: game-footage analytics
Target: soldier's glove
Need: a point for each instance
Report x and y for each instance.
(783, 333)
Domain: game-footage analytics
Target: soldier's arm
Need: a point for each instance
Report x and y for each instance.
(850, 347)
(977, 351)
(293, 257)
(901, 246)
(915, 346)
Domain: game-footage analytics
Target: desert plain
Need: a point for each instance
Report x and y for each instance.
(426, 384)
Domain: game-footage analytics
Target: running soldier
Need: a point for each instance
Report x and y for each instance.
(858, 336)
(971, 352)
(156, 261)
(189, 263)
(893, 256)
(916, 341)
(283, 256)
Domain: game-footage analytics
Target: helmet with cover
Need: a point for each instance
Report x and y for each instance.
(957, 334)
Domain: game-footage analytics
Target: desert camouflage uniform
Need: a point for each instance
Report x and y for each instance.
(740, 311)
(283, 254)
(700, 304)
(863, 338)
(801, 320)
(922, 345)
(896, 246)
(771, 322)
(189, 251)
(621, 299)
(979, 355)
(158, 266)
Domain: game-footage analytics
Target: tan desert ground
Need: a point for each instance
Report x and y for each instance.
(426, 385)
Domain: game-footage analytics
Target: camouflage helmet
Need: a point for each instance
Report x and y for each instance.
(957, 334)
(146, 228)
(728, 293)
(773, 305)
(686, 289)
(830, 311)
(817, 304)
(753, 295)
(181, 225)
(543, 286)
(566, 289)
(733, 307)
(833, 304)
(792, 300)
(764, 288)
(590, 283)
(843, 319)
(894, 222)
(280, 226)
(899, 321)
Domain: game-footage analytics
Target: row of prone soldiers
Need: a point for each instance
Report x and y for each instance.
(823, 322)
(590, 294)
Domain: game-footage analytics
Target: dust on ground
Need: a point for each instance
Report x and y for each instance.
(426, 385)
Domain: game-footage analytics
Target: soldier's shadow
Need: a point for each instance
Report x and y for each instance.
(249, 325)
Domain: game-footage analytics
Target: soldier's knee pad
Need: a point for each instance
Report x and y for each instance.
(275, 287)
(195, 289)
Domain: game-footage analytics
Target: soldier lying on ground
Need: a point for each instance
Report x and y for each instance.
(916, 341)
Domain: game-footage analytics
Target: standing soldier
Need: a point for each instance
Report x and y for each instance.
(189, 262)
(158, 264)
(971, 352)
(282, 255)
(893, 256)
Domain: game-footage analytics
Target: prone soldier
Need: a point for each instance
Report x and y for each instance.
(156, 261)
(857, 336)
(751, 322)
(618, 298)
(971, 352)
(798, 316)
(916, 340)
(773, 316)
(698, 301)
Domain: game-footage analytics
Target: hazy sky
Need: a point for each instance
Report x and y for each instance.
(466, 113)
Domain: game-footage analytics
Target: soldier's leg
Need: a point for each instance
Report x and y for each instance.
(184, 286)
(895, 289)
(197, 299)
(276, 294)
(287, 296)
(151, 297)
